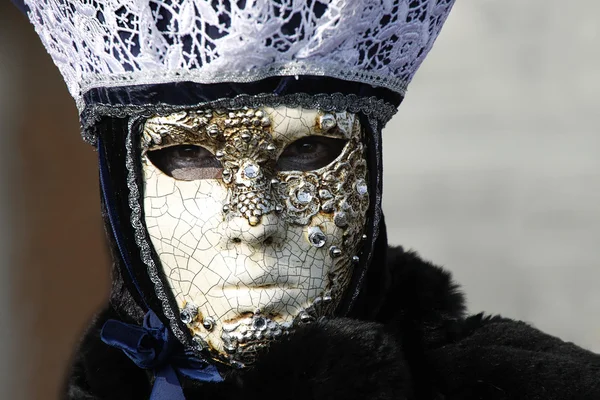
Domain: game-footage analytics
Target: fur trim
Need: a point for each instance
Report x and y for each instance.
(418, 345)
(330, 359)
(419, 290)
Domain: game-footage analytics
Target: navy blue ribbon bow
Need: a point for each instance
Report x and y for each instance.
(153, 346)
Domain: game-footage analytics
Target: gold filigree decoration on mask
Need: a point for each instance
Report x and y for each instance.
(241, 140)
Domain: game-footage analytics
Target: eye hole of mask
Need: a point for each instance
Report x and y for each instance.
(186, 162)
(310, 153)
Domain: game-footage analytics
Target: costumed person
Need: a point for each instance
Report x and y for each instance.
(239, 147)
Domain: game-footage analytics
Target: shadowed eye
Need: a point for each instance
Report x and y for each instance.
(310, 153)
(186, 162)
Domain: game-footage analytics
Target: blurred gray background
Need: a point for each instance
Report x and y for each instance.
(11, 372)
(492, 170)
(492, 165)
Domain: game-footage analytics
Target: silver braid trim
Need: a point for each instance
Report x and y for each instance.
(141, 239)
(372, 107)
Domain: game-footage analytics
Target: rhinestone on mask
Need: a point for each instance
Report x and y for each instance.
(361, 187)
(226, 174)
(259, 323)
(304, 196)
(251, 170)
(213, 130)
(188, 314)
(246, 136)
(327, 122)
(340, 219)
(335, 252)
(305, 317)
(316, 237)
(325, 194)
(208, 323)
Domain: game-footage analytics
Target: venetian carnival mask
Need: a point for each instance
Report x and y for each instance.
(256, 216)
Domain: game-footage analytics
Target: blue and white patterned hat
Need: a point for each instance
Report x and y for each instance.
(113, 43)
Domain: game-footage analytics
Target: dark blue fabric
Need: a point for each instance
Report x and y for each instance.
(152, 346)
(190, 93)
(21, 6)
(148, 346)
(108, 196)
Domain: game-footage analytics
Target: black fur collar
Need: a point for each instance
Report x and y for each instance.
(418, 289)
(415, 344)
(380, 354)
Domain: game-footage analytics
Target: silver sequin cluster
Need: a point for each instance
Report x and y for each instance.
(244, 339)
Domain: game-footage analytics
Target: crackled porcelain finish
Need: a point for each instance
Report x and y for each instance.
(254, 250)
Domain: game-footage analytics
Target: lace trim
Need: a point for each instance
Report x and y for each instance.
(148, 78)
(110, 42)
(373, 107)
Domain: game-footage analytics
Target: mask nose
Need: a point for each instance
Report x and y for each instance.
(252, 212)
(270, 230)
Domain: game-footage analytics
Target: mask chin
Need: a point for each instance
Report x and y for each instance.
(254, 253)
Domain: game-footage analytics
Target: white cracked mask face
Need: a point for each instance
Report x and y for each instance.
(257, 216)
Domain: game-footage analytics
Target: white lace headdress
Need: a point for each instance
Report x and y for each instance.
(107, 43)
